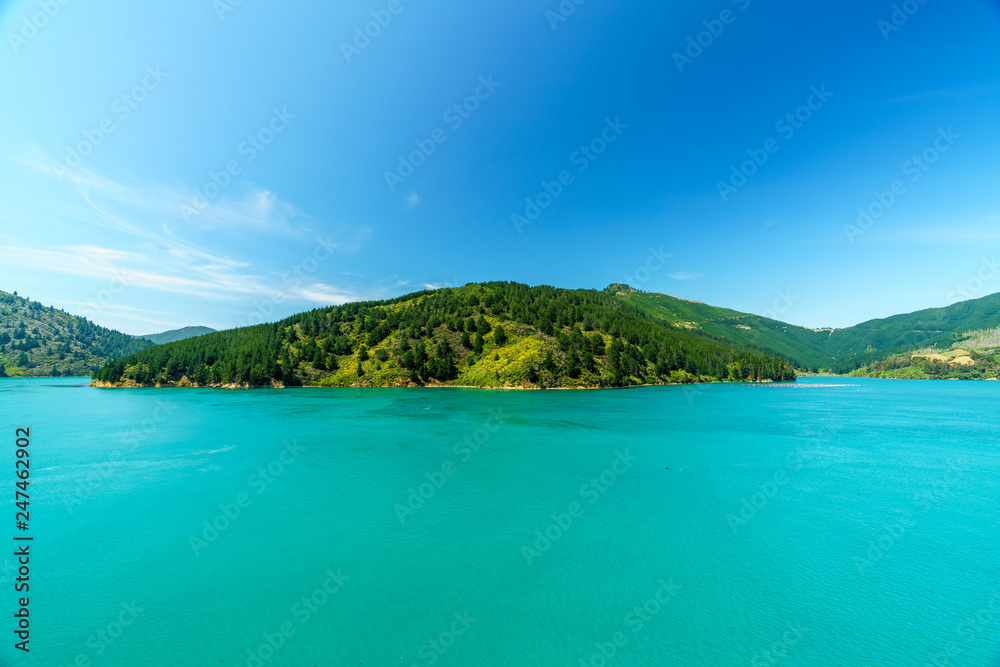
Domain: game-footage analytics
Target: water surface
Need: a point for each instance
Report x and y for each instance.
(833, 522)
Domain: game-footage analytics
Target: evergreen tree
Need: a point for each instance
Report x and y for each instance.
(499, 336)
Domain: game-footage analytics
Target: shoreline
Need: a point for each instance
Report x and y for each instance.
(278, 385)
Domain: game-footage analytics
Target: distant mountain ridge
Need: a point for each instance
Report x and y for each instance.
(39, 340)
(176, 335)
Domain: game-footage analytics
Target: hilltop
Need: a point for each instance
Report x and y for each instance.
(484, 335)
(44, 341)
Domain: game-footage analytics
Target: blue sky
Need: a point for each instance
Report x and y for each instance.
(163, 98)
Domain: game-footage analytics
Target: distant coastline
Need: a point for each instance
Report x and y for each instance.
(98, 384)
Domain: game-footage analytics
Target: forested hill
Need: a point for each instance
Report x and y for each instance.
(838, 350)
(43, 341)
(487, 335)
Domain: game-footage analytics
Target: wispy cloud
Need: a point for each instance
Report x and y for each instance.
(978, 231)
(154, 248)
(127, 313)
(956, 93)
(685, 275)
(258, 209)
(130, 269)
(322, 294)
(253, 207)
(412, 200)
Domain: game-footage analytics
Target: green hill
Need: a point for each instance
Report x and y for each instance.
(879, 338)
(837, 350)
(803, 347)
(975, 356)
(43, 341)
(177, 334)
(484, 335)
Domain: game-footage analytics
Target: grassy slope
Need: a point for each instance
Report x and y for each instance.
(940, 326)
(976, 356)
(804, 347)
(840, 350)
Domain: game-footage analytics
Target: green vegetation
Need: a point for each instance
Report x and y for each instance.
(803, 347)
(489, 335)
(43, 341)
(834, 350)
(976, 356)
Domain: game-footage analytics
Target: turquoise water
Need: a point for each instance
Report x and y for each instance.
(816, 524)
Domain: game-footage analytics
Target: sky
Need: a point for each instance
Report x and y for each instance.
(226, 162)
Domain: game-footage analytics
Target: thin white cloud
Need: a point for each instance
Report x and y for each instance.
(412, 200)
(70, 260)
(323, 294)
(153, 247)
(123, 313)
(973, 233)
(257, 208)
(685, 275)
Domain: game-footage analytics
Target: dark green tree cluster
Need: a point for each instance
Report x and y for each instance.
(240, 356)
